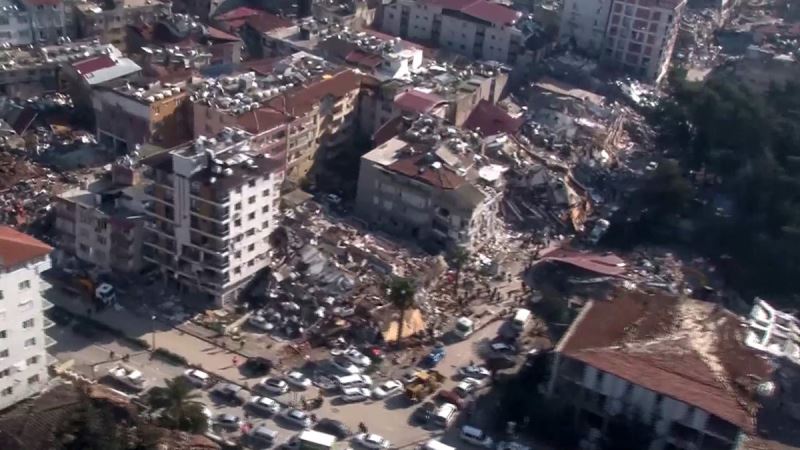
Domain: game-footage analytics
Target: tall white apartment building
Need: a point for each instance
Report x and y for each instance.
(637, 36)
(48, 20)
(479, 29)
(212, 205)
(15, 23)
(23, 360)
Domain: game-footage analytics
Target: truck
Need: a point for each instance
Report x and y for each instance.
(423, 385)
(101, 293)
(314, 440)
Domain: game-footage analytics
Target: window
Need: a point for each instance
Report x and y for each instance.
(251, 247)
(34, 379)
(3, 334)
(30, 342)
(237, 270)
(252, 199)
(251, 263)
(9, 390)
(265, 209)
(265, 193)
(32, 360)
(27, 324)
(251, 183)
(25, 284)
(251, 216)
(237, 222)
(1, 295)
(5, 373)
(4, 353)
(237, 207)
(265, 224)
(250, 232)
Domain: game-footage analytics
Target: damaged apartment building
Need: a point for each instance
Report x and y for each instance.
(302, 105)
(212, 205)
(432, 183)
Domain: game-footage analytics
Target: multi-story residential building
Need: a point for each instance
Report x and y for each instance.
(107, 20)
(48, 20)
(687, 368)
(637, 36)
(102, 223)
(212, 206)
(426, 184)
(142, 110)
(28, 72)
(15, 23)
(478, 29)
(309, 109)
(23, 359)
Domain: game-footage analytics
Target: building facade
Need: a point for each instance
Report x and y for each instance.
(478, 29)
(23, 359)
(212, 205)
(108, 21)
(48, 20)
(636, 36)
(15, 23)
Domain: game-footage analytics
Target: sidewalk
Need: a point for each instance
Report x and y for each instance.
(211, 358)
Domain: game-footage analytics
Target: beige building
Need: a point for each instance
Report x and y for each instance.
(107, 20)
(636, 36)
(213, 205)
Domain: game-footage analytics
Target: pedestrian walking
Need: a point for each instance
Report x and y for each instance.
(235, 361)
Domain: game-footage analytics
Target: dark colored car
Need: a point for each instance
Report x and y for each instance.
(258, 366)
(423, 414)
(333, 427)
(451, 397)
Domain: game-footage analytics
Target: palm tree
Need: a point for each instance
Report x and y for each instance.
(401, 295)
(460, 258)
(182, 410)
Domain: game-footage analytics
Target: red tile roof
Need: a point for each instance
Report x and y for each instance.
(492, 119)
(237, 13)
(417, 101)
(388, 130)
(481, 9)
(363, 59)
(266, 22)
(263, 67)
(302, 100)
(93, 64)
(610, 264)
(420, 168)
(685, 349)
(18, 248)
(220, 35)
(262, 119)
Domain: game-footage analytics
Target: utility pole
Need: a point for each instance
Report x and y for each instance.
(153, 331)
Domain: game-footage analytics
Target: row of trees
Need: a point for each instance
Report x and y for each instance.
(734, 185)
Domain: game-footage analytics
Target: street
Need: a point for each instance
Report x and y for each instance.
(389, 417)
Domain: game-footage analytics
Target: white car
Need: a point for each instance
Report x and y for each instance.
(356, 357)
(260, 322)
(228, 421)
(355, 394)
(197, 378)
(273, 385)
(372, 441)
(466, 386)
(128, 376)
(475, 372)
(298, 380)
(387, 389)
(503, 349)
(265, 405)
(297, 417)
(345, 365)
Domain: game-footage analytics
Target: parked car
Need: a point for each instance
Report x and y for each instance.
(264, 405)
(273, 385)
(333, 427)
(355, 394)
(197, 378)
(434, 357)
(501, 348)
(228, 421)
(260, 322)
(466, 386)
(258, 365)
(372, 441)
(229, 392)
(387, 388)
(298, 380)
(475, 372)
(345, 365)
(451, 397)
(297, 417)
(475, 436)
(423, 414)
(356, 357)
(262, 436)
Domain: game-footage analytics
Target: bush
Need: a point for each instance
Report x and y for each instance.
(170, 357)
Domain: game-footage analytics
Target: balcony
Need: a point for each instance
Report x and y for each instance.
(49, 342)
(47, 323)
(217, 262)
(46, 304)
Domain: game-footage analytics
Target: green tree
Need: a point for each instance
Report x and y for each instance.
(181, 409)
(402, 296)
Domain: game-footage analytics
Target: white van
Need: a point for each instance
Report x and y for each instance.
(433, 444)
(475, 436)
(444, 415)
(353, 381)
(520, 319)
(464, 327)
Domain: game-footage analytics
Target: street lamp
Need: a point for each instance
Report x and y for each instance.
(153, 330)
